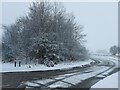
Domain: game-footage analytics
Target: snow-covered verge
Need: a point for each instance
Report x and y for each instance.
(108, 82)
(9, 67)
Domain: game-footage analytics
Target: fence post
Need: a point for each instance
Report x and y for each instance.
(19, 64)
(15, 63)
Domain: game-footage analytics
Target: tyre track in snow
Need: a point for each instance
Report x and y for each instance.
(100, 63)
(91, 81)
(14, 79)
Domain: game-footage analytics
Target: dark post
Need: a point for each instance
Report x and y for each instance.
(19, 63)
(15, 64)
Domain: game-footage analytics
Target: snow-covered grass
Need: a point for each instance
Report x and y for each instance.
(9, 67)
(108, 82)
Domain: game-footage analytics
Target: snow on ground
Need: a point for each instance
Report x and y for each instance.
(9, 67)
(111, 58)
(71, 79)
(32, 84)
(43, 81)
(60, 84)
(108, 82)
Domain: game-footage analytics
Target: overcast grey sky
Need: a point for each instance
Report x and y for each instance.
(100, 20)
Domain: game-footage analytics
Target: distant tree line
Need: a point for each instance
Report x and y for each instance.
(46, 34)
(114, 50)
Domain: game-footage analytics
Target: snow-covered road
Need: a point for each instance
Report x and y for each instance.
(71, 79)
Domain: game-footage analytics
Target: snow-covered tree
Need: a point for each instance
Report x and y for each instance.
(114, 50)
(47, 34)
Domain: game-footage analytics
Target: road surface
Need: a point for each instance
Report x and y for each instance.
(79, 77)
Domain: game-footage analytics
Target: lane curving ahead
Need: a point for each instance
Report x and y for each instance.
(76, 77)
